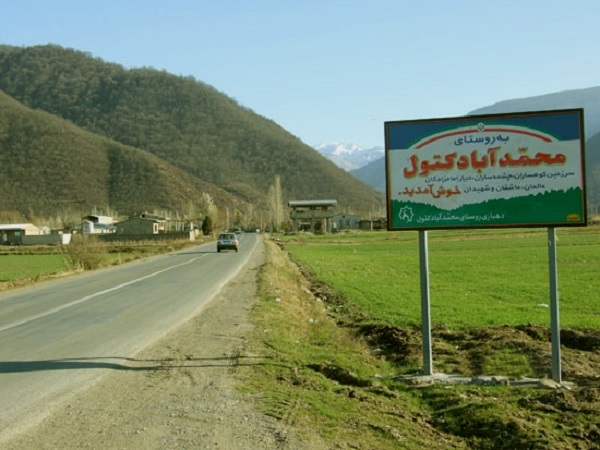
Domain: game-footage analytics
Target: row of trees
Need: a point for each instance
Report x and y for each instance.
(204, 213)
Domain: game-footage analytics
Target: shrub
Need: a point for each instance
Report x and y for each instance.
(84, 253)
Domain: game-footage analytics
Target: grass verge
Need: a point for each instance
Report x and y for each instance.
(331, 372)
(23, 265)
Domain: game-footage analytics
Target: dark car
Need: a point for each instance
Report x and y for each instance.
(227, 241)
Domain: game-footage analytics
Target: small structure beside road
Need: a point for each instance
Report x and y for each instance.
(312, 215)
(141, 225)
(29, 234)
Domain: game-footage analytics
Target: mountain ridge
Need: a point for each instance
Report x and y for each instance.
(349, 156)
(182, 121)
(121, 174)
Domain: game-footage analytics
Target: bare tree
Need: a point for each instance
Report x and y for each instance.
(208, 208)
(275, 199)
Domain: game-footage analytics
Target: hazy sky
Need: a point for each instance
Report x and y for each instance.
(329, 70)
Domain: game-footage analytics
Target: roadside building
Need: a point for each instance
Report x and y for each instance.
(312, 215)
(344, 222)
(373, 224)
(12, 234)
(29, 234)
(150, 227)
(141, 225)
(97, 224)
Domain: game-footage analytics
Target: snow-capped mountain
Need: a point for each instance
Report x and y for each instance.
(349, 156)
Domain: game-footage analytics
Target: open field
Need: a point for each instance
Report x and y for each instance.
(19, 266)
(477, 278)
(22, 265)
(483, 283)
(340, 337)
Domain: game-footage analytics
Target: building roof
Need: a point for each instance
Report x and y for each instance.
(99, 219)
(293, 203)
(16, 226)
(143, 219)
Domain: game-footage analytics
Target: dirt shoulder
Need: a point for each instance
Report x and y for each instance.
(182, 392)
(178, 393)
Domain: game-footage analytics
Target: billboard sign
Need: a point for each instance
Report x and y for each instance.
(500, 170)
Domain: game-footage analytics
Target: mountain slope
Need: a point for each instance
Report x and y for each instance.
(592, 151)
(588, 99)
(372, 174)
(48, 165)
(180, 120)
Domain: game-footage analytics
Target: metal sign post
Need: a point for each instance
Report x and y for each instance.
(554, 309)
(425, 304)
(513, 170)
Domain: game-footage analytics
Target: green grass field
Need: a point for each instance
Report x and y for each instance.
(20, 266)
(333, 365)
(477, 278)
(24, 264)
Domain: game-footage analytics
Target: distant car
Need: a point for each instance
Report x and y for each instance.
(227, 241)
(252, 230)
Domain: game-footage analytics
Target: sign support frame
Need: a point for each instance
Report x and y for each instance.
(511, 170)
(554, 305)
(425, 303)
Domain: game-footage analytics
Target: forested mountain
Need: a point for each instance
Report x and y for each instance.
(182, 122)
(49, 166)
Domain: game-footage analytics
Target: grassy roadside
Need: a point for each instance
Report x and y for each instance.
(477, 278)
(332, 372)
(20, 266)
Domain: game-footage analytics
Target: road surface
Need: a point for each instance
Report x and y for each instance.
(60, 336)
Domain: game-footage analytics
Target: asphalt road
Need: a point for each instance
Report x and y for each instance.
(59, 336)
